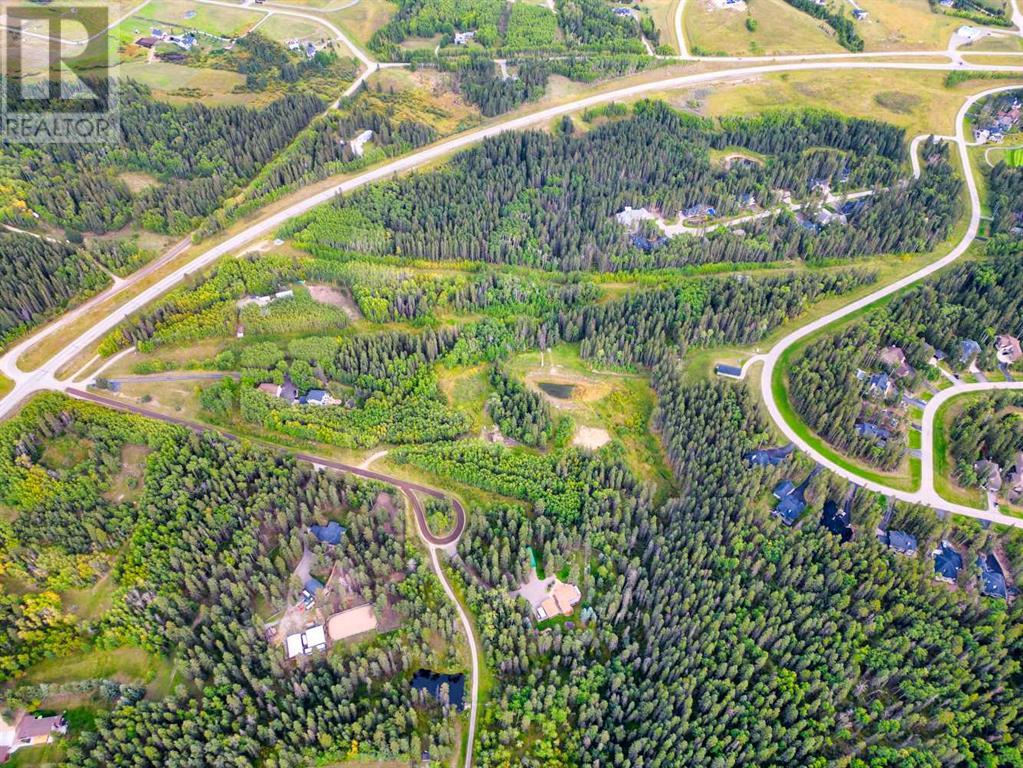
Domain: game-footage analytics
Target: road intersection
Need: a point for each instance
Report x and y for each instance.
(45, 377)
(926, 494)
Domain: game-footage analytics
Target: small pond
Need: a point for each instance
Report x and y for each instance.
(554, 389)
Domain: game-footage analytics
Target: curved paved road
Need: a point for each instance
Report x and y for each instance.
(410, 489)
(27, 383)
(926, 495)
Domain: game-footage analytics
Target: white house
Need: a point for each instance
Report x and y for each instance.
(303, 643)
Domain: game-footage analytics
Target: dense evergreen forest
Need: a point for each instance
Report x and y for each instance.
(1005, 187)
(791, 673)
(707, 633)
(388, 381)
(39, 278)
(520, 412)
(989, 429)
(198, 155)
(975, 300)
(479, 80)
(828, 396)
(324, 148)
(188, 581)
(550, 201)
(577, 26)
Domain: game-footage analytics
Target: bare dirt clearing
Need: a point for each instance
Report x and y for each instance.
(591, 438)
(335, 297)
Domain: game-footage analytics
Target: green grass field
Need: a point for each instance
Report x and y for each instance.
(175, 82)
(363, 18)
(780, 29)
(211, 19)
(1014, 158)
(126, 665)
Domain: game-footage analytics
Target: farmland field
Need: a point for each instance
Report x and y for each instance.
(1014, 158)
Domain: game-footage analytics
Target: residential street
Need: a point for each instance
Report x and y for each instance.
(28, 383)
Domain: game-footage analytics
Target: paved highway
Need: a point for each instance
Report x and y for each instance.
(26, 383)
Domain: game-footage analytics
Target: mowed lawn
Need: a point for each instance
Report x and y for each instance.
(917, 101)
(174, 82)
(125, 665)
(285, 28)
(902, 25)
(363, 18)
(211, 19)
(780, 29)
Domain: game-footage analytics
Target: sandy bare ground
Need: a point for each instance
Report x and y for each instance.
(352, 622)
(591, 438)
(335, 297)
(729, 160)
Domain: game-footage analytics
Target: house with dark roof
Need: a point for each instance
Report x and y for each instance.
(1014, 480)
(731, 371)
(879, 385)
(849, 207)
(317, 397)
(901, 542)
(434, 684)
(837, 520)
(992, 579)
(700, 209)
(947, 563)
(769, 457)
(783, 489)
(310, 588)
(791, 503)
(330, 534)
(968, 350)
(288, 390)
(872, 431)
(647, 244)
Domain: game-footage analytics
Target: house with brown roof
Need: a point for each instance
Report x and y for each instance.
(1008, 349)
(561, 600)
(269, 388)
(894, 359)
(28, 731)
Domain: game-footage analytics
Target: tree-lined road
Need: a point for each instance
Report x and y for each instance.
(410, 490)
(28, 383)
(926, 494)
(45, 377)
